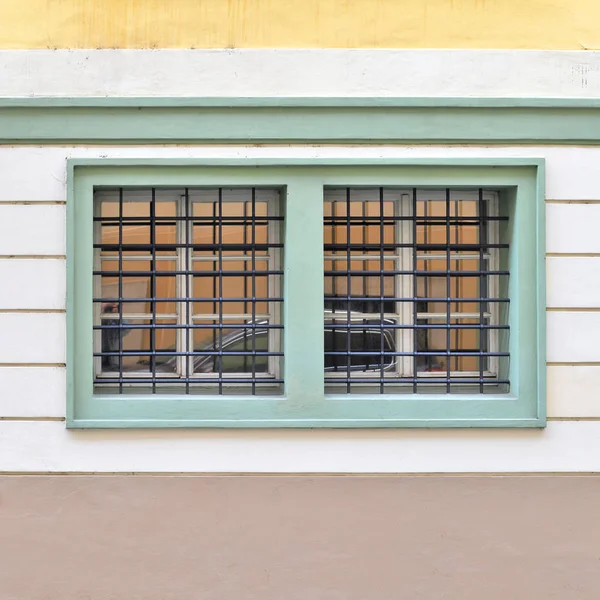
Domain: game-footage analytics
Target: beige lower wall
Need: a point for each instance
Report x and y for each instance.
(301, 537)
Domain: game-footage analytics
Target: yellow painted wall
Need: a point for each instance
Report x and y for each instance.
(519, 24)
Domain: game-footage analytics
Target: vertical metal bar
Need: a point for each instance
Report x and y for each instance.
(120, 291)
(381, 289)
(457, 284)
(348, 295)
(482, 285)
(254, 331)
(448, 293)
(245, 279)
(189, 333)
(214, 281)
(153, 288)
(429, 360)
(220, 222)
(415, 288)
(365, 267)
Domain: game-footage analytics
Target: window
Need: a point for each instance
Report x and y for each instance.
(305, 294)
(414, 294)
(187, 290)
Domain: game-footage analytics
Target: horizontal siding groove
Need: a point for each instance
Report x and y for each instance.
(590, 201)
(590, 309)
(33, 202)
(291, 474)
(582, 418)
(32, 310)
(33, 257)
(25, 364)
(574, 364)
(32, 418)
(572, 254)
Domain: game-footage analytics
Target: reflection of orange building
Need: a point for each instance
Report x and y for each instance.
(203, 265)
(366, 204)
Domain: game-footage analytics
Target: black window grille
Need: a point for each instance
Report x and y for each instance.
(416, 296)
(187, 290)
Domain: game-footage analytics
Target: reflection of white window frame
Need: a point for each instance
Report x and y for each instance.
(404, 284)
(184, 260)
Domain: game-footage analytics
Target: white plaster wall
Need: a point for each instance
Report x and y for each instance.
(46, 447)
(32, 342)
(300, 72)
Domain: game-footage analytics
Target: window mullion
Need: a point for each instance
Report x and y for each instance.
(303, 292)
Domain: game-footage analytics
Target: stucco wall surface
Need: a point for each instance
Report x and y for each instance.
(536, 24)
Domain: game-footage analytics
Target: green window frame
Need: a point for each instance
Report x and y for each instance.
(304, 403)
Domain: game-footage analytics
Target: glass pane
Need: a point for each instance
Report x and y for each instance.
(419, 268)
(187, 283)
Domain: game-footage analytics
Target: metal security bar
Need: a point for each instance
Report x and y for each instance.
(187, 290)
(416, 298)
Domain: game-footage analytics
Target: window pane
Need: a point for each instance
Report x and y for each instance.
(187, 290)
(415, 299)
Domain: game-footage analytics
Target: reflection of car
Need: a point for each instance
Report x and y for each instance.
(238, 340)
(365, 336)
(367, 339)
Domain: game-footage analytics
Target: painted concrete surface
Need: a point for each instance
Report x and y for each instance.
(553, 24)
(384, 72)
(45, 446)
(302, 538)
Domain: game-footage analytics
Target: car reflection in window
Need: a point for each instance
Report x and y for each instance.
(374, 337)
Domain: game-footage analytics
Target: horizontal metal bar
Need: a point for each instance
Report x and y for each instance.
(225, 316)
(261, 326)
(453, 315)
(417, 247)
(166, 219)
(343, 255)
(411, 380)
(378, 326)
(169, 354)
(196, 258)
(241, 257)
(184, 380)
(410, 299)
(150, 316)
(385, 353)
(226, 247)
(453, 256)
(343, 273)
(343, 315)
(184, 299)
(188, 272)
(382, 220)
(172, 316)
(139, 257)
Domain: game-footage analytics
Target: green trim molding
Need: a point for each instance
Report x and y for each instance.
(300, 120)
(304, 402)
